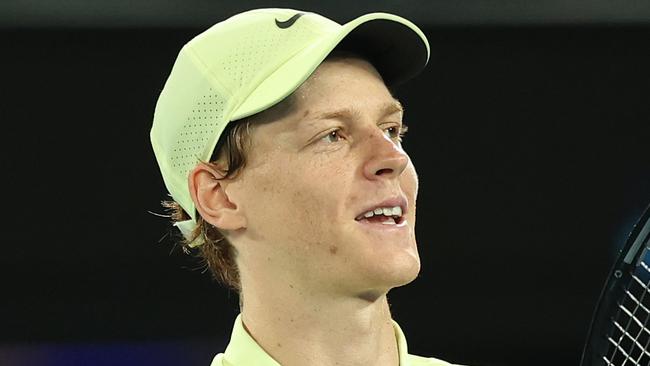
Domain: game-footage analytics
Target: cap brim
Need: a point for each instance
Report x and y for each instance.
(396, 47)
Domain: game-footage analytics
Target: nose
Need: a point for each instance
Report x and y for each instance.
(386, 158)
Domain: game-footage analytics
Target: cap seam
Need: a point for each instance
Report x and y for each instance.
(202, 67)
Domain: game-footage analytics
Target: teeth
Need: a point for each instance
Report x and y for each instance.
(386, 211)
(388, 221)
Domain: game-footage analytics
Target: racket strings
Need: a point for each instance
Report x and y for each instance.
(629, 337)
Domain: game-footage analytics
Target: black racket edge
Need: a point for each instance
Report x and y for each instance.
(620, 274)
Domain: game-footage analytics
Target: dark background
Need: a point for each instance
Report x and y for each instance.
(529, 129)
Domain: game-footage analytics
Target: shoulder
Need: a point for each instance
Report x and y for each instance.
(218, 360)
(427, 361)
(412, 361)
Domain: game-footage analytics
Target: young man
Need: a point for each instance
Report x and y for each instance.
(279, 141)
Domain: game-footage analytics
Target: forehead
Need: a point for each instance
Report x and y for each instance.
(344, 81)
(343, 88)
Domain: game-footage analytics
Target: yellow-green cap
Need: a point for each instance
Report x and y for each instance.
(251, 61)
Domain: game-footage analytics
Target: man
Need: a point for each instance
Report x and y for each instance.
(279, 141)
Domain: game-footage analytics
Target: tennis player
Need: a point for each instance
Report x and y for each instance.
(280, 143)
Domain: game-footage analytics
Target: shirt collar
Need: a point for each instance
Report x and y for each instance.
(243, 350)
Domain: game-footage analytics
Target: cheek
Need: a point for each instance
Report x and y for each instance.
(286, 199)
(314, 190)
(409, 182)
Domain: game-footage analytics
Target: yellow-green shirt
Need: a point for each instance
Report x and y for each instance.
(244, 351)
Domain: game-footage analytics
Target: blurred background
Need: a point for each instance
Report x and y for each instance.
(529, 129)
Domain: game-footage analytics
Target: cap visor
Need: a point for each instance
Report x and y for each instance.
(396, 47)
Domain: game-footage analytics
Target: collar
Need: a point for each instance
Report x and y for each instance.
(243, 350)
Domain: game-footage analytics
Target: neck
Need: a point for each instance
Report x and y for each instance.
(296, 328)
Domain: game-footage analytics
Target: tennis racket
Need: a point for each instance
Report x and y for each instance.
(620, 328)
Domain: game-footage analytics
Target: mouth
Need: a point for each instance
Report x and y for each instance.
(389, 213)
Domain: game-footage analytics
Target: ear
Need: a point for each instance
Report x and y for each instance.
(208, 192)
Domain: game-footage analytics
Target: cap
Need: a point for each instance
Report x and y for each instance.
(250, 62)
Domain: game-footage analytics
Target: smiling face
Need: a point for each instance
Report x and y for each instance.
(314, 176)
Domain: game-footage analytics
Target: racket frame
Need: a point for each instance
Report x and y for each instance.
(628, 258)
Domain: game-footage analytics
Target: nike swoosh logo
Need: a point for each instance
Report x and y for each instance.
(289, 22)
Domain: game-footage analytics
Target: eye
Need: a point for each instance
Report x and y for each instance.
(396, 132)
(333, 136)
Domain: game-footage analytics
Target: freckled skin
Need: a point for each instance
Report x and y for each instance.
(300, 199)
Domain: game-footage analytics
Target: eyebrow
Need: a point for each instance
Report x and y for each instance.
(350, 113)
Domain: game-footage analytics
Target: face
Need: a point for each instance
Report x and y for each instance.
(313, 176)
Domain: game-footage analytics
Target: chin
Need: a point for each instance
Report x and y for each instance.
(405, 265)
(409, 273)
(400, 271)
(385, 281)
